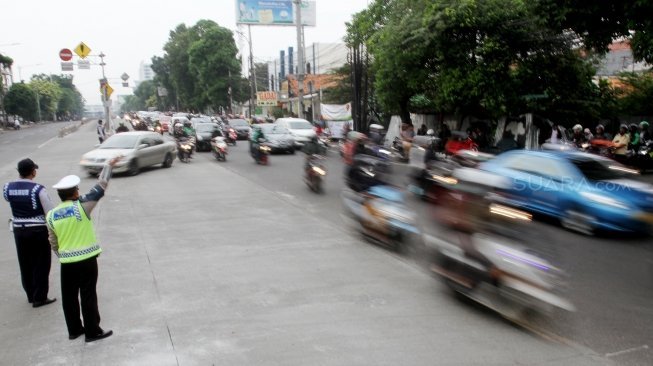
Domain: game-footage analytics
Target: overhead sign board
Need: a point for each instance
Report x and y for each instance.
(274, 12)
(266, 99)
(265, 12)
(66, 66)
(84, 64)
(82, 50)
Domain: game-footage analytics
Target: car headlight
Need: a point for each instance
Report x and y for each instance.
(597, 198)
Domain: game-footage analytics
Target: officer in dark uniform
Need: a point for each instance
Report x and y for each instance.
(29, 203)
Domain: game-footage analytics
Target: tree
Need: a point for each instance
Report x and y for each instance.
(261, 72)
(636, 94)
(48, 94)
(21, 101)
(69, 102)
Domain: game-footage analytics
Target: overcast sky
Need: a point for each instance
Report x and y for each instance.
(129, 32)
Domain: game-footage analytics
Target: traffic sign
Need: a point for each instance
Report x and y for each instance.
(66, 66)
(82, 50)
(84, 64)
(65, 54)
(106, 90)
(124, 76)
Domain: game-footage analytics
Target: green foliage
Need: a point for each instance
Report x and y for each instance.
(6, 61)
(48, 94)
(21, 100)
(198, 67)
(342, 92)
(61, 96)
(636, 94)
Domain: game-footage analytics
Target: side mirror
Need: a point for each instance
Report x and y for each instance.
(142, 146)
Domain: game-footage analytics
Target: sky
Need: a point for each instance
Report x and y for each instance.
(33, 31)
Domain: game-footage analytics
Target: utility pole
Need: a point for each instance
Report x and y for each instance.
(252, 74)
(105, 96)
(300, 59)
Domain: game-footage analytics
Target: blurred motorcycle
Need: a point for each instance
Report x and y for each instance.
(219, 148)
(383, 216)
(315, 172)
(260, 152)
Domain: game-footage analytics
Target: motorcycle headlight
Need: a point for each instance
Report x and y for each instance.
(597, 198)
(585, 145)
(643, 152)
(265, 148)
(319, 170)
(185, 146)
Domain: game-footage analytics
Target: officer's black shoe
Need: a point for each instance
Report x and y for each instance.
(76, 335)
(102, 335)
(38, 304)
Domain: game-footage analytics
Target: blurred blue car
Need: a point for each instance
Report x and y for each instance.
(585, 192)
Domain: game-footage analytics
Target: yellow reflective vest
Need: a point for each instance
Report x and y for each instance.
(75, 233)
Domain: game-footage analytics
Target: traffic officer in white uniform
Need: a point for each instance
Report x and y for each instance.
(73, 240)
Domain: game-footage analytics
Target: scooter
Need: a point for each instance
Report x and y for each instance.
(261, 152)
(185, 149)
(231, 137)
(398, 148)
(383, 216)
(500, 272)
(315, 172)
(219, 148)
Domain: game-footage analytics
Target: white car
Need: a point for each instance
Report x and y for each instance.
(301, 130)
(139, 149)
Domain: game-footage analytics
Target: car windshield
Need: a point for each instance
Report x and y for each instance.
(594, 169)
(300, 125)
(205, 127)
(120, 141)
(274, 129)
(238, 122)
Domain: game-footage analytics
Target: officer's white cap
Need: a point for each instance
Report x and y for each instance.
(69, 181)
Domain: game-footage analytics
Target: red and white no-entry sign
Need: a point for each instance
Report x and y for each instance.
(66, 54)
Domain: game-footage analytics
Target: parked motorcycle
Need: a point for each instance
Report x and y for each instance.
(185, 149)
(219, 148)
(383, 216)
(315, 172)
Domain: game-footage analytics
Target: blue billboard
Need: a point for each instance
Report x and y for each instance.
(265, 12)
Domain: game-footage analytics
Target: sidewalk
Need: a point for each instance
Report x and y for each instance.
(204, 267)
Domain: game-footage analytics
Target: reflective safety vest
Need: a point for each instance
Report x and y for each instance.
(75, 233)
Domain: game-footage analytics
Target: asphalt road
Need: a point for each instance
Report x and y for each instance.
(235, 263)
(610, 278)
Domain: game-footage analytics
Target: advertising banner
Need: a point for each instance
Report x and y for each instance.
(309, 11)
(266, 99)
(265, 12)
(336, 112)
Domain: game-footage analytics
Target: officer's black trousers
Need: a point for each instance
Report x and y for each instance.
(34, 258)
(78, 281)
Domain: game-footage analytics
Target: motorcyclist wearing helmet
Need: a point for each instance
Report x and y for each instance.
(376, 134)
(644, 132)
(621, 141)
(432, 147)
(188, 129)
(578, 137)
(601, 134)
(634, 137)
(256, 139)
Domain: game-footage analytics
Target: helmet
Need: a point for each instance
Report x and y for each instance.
(600, 126)
(623, 126)
(187, 124)
(430, 132)
(587, 131)
(633, 125)
(643, 124)
(577, 128)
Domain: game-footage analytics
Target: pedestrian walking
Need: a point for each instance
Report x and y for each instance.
(29, 203)
(73, 239)
(100, 131)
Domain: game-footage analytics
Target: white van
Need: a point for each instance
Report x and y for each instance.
(301, 130)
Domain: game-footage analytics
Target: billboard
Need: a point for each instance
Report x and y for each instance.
(274, 12)
(266, 99)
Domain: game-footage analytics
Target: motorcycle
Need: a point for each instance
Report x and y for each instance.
(158, 130)
(495, 254)
(185, 149)
(315, 172)
(643, 159)
(231, 136)
(398, 148)
(261, 152)
(383, 216)
(219, 148)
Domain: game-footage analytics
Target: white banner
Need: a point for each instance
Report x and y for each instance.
(337, 128)
(336, 112)
(309, 12)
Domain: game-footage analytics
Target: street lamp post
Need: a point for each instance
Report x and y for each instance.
(300, 59)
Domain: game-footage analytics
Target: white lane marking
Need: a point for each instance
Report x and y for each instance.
(629, 350)
(45, 143)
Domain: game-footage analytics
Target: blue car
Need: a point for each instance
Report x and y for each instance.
(585, 192)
